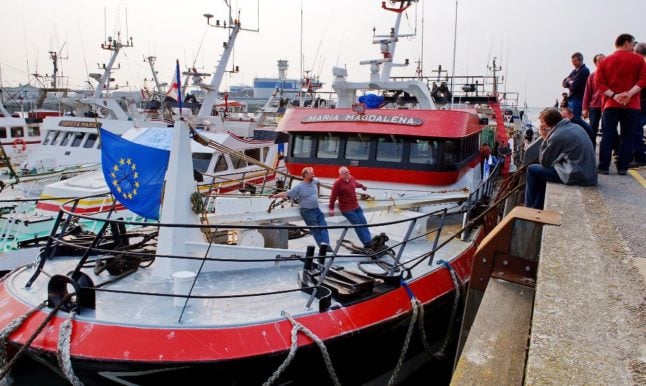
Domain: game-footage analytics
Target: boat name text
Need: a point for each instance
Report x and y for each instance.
(373, 118)
(88, 125)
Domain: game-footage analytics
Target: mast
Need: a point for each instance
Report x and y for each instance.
(211, 95)
(115, 46)
(151, 62)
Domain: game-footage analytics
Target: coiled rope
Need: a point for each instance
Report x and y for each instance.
(63, 350)
(292, 352)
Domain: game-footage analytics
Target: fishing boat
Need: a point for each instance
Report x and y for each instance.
(234, 289)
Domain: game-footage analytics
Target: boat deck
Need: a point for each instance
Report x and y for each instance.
(216, 300)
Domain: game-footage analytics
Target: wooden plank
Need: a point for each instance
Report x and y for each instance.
(496, 348)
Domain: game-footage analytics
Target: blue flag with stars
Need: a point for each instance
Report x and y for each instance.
(134, 173)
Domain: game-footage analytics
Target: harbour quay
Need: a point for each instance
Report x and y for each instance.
(583, 321)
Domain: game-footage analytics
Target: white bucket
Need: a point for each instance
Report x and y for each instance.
(182, 282)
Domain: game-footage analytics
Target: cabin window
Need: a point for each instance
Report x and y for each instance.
(33, 131)
(238, 162)
(17, 132)
(78, 138)
(389, 149)
(328, 147)
(424, 151)
(66, 139)
(265, 151)
(201, 161)
(451, 152)
(49, 137)
(302, 146)
(357, 148)
(220, 164)
(90, 141)
(253, 153)
(3, 132)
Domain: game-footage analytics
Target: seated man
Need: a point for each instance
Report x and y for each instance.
(566, 157)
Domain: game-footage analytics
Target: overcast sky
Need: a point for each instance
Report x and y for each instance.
(532, 40)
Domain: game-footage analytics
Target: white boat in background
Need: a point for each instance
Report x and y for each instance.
(19, 137)
(244, 154)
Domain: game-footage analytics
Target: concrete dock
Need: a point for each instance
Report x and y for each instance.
(587, 315)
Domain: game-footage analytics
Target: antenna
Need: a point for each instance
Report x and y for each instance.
(455, 39)
(495, 77)
(55, 57)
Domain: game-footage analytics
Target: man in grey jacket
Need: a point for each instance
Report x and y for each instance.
(566, 157)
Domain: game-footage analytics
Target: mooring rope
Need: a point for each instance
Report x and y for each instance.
(292, 352)
(63, 350)
(43, 324)
(454, 310)
(416, 305)
(11, 327)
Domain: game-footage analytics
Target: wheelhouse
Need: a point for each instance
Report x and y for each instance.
(421, 147)
(383, 150)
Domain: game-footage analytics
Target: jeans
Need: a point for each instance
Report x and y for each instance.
(576, 105)
(314, 217)
(595, 119)
(629, 120)
(537, 178)
(356, 217)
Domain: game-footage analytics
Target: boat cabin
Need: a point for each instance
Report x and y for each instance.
(385, 145)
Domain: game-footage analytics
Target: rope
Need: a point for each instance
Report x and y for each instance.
(43, 324)
(456, 300)
(63, 353)
(292, 352)
(411, 326)
(11, 327)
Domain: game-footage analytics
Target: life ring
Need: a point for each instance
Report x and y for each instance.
(19, 144)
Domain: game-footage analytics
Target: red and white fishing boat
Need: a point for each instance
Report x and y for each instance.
(232, 289)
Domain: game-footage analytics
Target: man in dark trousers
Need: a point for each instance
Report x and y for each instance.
(566, 157)
(344, 190)
(575, 82)
(620, 78)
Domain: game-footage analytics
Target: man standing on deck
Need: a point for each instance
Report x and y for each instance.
(575, 82)
(344, 190)
(566, 157)
(307, 193)
(620, 77)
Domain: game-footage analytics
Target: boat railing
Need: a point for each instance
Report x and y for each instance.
(481, 195)
(111, 241)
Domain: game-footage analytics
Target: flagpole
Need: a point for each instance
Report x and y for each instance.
(179, 87)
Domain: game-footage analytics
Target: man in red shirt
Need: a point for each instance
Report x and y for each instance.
(620, 77)
(343, 190)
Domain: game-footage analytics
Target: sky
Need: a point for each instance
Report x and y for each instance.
(531, 40)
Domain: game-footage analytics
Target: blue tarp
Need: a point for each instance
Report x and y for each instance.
(372, 101)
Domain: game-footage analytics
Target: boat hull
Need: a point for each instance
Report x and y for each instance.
(356, 358)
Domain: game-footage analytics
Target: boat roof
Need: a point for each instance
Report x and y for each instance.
(408, 122)
(162, 138)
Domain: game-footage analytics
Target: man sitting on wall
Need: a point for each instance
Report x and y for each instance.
(566, 157)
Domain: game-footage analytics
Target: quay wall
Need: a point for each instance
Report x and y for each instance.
(589, 317)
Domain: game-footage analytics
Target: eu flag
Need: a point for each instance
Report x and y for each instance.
(134, 173)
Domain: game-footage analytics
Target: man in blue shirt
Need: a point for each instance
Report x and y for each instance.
(575, 82)
(307, 194)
